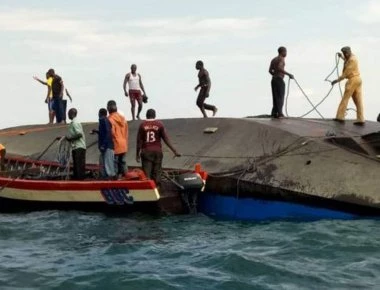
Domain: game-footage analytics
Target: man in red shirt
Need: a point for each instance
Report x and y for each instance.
(149, 148)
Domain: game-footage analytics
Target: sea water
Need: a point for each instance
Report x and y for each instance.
(76, 250)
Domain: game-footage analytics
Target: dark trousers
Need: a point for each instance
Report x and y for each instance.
(79, 163)
(58, 109)
(121, 163)
(201, 100)
(152, 165)
(64, 108)
(278, 94)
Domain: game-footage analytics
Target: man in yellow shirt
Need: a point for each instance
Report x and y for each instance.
(49, 96)
(353, 87)
(2, 156)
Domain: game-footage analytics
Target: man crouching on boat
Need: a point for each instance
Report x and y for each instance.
(149, 148)
(75, 135)
(2, 157)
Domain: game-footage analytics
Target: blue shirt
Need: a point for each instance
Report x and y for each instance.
(105, 134)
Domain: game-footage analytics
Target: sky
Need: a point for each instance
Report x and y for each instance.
(92, 44)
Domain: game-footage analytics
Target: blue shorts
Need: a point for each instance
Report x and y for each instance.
(50, 105)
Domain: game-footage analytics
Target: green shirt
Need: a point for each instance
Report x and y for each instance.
(75, 128)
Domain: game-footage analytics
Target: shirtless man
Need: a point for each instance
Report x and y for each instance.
(135, 84)
(205, 86)
(277, 70)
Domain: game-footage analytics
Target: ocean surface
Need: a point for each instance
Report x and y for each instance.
(75, 250)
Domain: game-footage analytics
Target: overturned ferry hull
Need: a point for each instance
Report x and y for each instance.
(259, 168)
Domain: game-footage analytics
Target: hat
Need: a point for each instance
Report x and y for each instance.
(346, 49)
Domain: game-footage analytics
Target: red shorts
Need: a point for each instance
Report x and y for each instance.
(135, 95)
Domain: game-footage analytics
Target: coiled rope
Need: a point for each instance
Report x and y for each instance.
(314, 107)
(64, 154)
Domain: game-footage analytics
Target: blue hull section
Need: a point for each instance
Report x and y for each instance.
(225, 207)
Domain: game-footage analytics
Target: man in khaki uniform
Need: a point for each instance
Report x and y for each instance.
(353, 87)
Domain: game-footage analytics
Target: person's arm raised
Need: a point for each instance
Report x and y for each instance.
(40, 81)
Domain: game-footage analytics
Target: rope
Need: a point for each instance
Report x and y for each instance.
(335, 69)
(307, 113)
(305, 95)
(64, 154)
(307, 98)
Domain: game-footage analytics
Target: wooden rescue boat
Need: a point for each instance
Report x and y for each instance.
(28, 185)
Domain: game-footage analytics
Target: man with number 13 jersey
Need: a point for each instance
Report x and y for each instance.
(149, 147)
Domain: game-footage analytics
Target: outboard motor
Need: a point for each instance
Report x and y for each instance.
(191, 184)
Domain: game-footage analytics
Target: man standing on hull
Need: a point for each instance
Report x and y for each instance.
(135, 84)
(149, 148)
(49, 96)
(277, 70)
(57, 88)
(353, 87)
(205, 86)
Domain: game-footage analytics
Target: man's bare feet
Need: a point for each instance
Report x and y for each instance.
(214, 111)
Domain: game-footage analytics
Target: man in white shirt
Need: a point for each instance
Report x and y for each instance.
(135, 85)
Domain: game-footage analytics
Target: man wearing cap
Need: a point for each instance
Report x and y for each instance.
(353, 87)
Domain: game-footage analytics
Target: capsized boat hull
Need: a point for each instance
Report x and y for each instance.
(317, 163)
